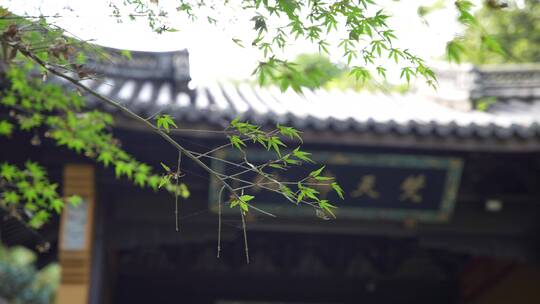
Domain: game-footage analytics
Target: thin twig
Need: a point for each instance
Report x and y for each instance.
(153, 115)
(176, 192)
(244, 229)
(219, 222)
(250, 184)
(182, 130)
(200, 155)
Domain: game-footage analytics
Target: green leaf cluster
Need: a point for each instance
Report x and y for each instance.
(48, 109)
(272, 140)
(503, 33)
(28, 194)
(368, 41)
(242, 202)
(165, 122)
(306, 189)
(63, 117)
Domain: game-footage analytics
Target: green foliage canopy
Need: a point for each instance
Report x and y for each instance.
(510, 34)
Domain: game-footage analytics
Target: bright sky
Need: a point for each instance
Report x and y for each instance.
(213, 55)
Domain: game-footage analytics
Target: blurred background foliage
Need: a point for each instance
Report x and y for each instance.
(316, 70)
(515, 25)
(22, 283)
(509, 33)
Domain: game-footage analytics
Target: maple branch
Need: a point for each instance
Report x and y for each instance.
(136, 117)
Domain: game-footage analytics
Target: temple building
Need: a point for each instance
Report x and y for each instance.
(442, 200)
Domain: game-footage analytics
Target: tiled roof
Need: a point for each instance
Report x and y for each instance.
(508, 82)
(148, 91)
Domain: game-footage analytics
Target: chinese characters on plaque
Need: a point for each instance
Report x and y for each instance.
(410, 188)
(377, 186)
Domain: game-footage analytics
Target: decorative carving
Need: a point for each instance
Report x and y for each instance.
(303, 257)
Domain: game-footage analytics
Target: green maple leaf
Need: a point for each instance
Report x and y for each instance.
(9, 100)
(184, 191)
(338, 189)
(165, 121)
(166, 167)
(246, 198)
(277, 166)
(236, 142)
(8, 171)
(144, 169)
(289, 132)
(326, 206)
(36, 171)
(11, 197)
(30, 194)
(316, 172)
(234, 203)
(57, 205)
(153, 182)
(76, 144)
(105, 157)
(140, 179)
(39, 219)
(124, 168)
(164, 180)
(301, 155)
(49, 192)
(6, 128)
(75, 200)
(274, 142)
(244, 206)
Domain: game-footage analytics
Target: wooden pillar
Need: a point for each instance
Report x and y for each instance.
(76, 227)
